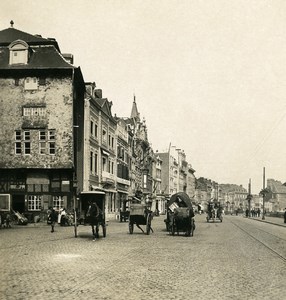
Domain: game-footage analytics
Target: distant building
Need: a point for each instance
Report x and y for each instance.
(277, 195)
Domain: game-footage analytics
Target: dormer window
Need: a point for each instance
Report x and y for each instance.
(18, 52)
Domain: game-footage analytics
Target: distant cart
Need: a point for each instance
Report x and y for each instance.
(140, 215)
(180, 215)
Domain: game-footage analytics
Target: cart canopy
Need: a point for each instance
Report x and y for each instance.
(180, 199)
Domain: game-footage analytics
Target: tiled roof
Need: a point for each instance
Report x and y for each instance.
(9, 35)
(43, 57)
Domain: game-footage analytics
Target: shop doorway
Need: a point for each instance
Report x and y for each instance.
(18, 203)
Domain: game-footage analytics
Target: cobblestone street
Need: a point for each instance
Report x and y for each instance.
(221, 261)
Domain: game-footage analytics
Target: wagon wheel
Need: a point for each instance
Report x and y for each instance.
(104, 230)
(148, 224)
(131, 227)
(192, 228)
(173, 228)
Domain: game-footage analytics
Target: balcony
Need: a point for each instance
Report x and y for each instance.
(108, 177)
(123, 181)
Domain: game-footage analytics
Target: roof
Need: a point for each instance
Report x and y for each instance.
(11, 34)
(42, 57)
(276, 186)
(186, 201)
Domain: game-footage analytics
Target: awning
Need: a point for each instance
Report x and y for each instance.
(110, 191)
(93, 192)
(121, 191)
(105, 152)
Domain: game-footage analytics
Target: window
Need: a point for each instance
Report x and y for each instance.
(95, 130)
(34, 111)
(52, 144)
(58, 202)
(91, 128)
(95, 163)
(34, 202)
(104, 136)
(18, 52)
(27, 143)
(104, 164)
(42, 142)
(42, 81)
(91, 162)
(31, 83)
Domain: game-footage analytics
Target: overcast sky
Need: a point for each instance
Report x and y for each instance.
(209, 76)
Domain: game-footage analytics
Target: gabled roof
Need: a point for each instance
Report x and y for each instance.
(105, 106)
(11, 34)
(43, 57)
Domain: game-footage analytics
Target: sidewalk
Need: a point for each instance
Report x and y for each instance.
(271, 220)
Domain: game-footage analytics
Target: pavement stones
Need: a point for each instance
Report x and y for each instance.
(218, 262)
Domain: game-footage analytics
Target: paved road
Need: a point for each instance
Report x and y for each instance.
(239, 258)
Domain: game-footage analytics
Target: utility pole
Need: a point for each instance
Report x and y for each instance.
(249, 196)
(263, 195)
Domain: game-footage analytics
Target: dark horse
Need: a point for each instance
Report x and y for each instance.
(94, 217)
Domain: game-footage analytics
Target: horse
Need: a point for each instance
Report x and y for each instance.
(94, 217)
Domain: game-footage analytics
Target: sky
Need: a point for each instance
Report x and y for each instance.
(209, 76)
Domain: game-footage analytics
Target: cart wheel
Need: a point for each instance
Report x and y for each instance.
(192, 228)
(104, 230)
(131, 228)
(148, 224)
(173, 229)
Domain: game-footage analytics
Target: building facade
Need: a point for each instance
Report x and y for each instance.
(41, 102)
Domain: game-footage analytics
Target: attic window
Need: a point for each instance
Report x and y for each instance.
(18, 52)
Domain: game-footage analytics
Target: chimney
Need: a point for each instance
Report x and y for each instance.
(68, 57)
(98, 93)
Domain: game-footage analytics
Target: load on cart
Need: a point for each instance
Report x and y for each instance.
(180, 215)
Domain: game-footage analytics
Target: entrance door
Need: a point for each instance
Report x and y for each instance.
(18, 203)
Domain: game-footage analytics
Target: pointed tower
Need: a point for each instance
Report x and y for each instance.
(134, 112)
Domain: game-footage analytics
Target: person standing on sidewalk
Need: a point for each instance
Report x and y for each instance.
(285, 215)
(53, 219)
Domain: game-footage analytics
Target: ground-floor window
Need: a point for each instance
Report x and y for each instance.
(58, 202)
(34, 202)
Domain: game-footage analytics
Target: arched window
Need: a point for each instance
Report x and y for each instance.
(18, 52)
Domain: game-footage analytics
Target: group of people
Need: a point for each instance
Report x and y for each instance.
(253, 213)
(61, 218)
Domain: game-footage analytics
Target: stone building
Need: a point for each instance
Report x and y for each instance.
(42, 106)
(99, 160)
(177, 173)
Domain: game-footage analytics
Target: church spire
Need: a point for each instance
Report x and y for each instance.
(134, 111)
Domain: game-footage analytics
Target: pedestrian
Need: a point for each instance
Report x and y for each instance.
(52, 219)
(285, 215)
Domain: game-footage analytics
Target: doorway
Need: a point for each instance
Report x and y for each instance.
(18, 203)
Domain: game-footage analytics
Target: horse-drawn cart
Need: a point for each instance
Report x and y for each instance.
(214, 212)
(140, 215)
(92, 212)
(180, 215)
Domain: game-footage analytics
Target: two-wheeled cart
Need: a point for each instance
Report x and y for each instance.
(140, 215)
